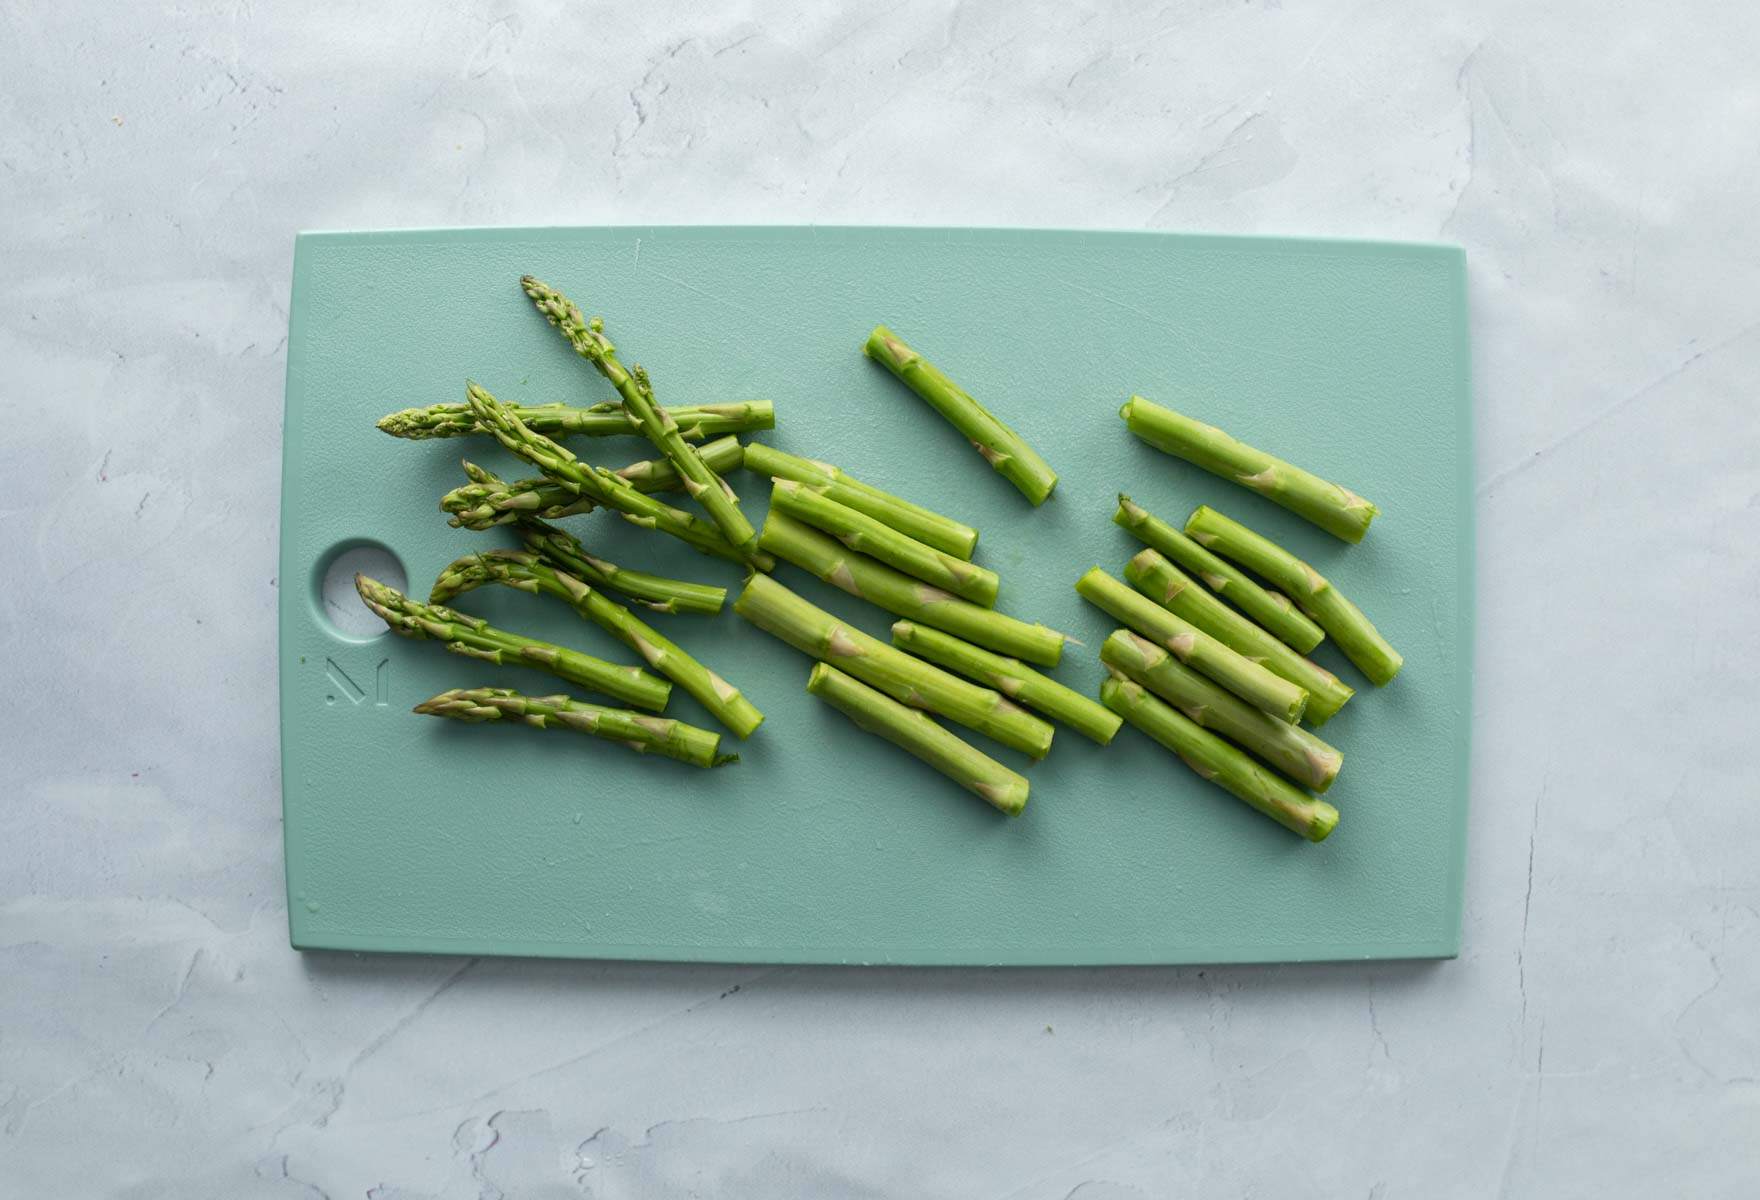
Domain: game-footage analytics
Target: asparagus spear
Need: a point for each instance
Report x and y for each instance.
(638, 731)
(1221, 763)
(1174, 590)
(865, 535)
(695, 422)
(1339, 511)
(903, 596)
(529, 573)
(915, 731)
(927, 526)
(651, 591)
(1002, 447)
(1290, 748)
(602, 486)
(476, 638)
(487, 501)
(1197, 649)
(1359, 640)
(813, 631)
(701, 483)
(1273, 610)
(1009, 676)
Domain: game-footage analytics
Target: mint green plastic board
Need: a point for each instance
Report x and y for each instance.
(823, 844)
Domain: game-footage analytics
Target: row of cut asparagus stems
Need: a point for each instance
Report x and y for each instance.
(1216, 673)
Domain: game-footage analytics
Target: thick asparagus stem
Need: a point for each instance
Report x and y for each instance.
(1350, 629)
(815, 632)
(701, 482)
(1339, 511)
(1174, 590)
(865, 535)
(1011, 677)
(696, 422)
(929, 527)
(1219, 762)
(487, 501)
(638, 731)
(527, 572)
(903, 596)
(1192, 646)
(1291, 749)
(915, 731)
(1273, 610)
(1004, 449)
(656, 592)
(476, 638)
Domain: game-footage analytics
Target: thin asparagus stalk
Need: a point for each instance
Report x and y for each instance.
(697, 422)
(701, 483)
(915, 731)
(1004, 449)
(476, 638)
(1359, 640)
(487, 501)
(1192, 646)
(1174, 590)
(1273, 610)
(931, 528)
(903, 596)
(1011, 677)
(638, 731)
(1337, 510)
(815, 632)
(1291, 749)
(865, 535)
(1219, 762)
(656, 592)
(527, 572)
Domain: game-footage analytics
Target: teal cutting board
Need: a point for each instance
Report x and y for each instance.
(407, 833)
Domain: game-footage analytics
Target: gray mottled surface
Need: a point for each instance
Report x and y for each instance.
(1597, 1037)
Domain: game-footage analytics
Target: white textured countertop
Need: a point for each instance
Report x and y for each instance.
(1599, 1034)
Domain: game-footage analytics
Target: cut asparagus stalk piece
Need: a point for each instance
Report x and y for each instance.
(1192, 646)
(1344, 621)
(1337, 510)
(1291, 749)
(1004, 449)
(865, 535)
(912, 520)
(655, 592)
(815, 632)
(487, 501)
(638, 731)
(916, 732)
(1011, 677)
(1273, 610)
(697, 422)
(1220, 763)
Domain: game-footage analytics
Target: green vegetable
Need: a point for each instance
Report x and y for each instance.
(638, 731)
(486, 501)
(696, 422)
(657, 592)
(926, 526)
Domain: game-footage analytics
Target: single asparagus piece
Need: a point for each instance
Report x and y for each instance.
(1174, 590)
(865, 535)
(1337, 510)
(528, 572)
(476, 638)
(931, 528)
(915, 731)
(657, 592)
(1004, 449)
(701, 483)
(1192, 646)
(602, 486)
(487, 501)
(1219, 762)
(815, 632)
(1359, 640)
(1273, 610)
(1011, 677)
(638, 731)
(899, 594)
(1291, 749)
(696, 422)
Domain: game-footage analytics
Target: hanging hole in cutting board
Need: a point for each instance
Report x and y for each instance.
(338, 604)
